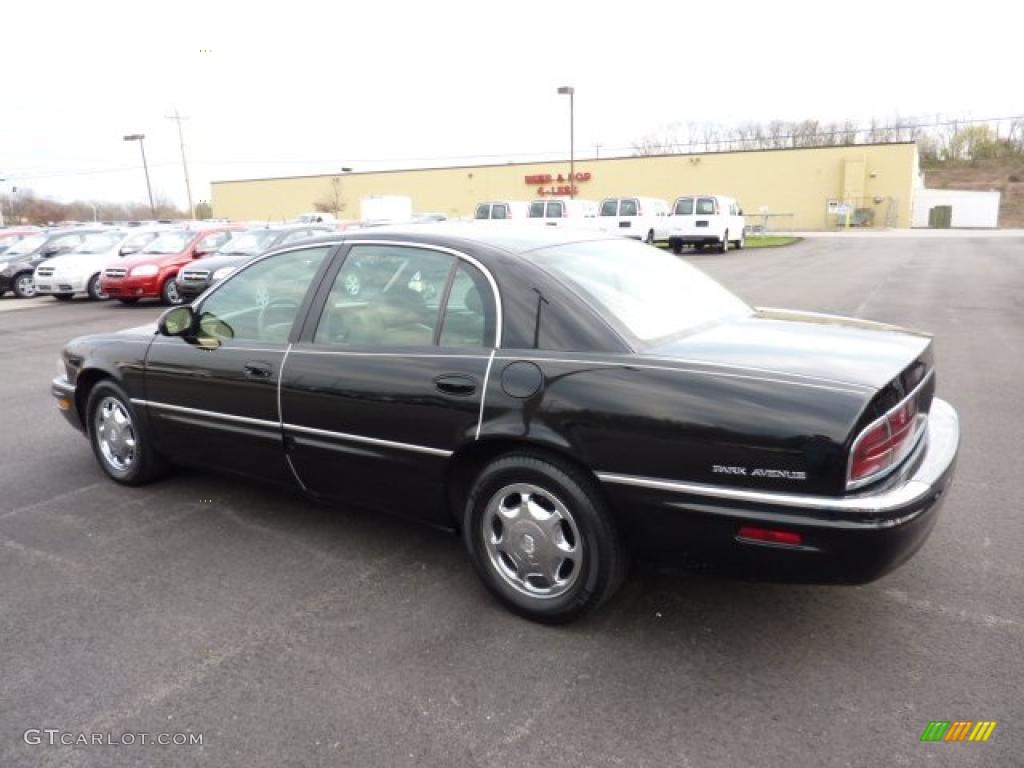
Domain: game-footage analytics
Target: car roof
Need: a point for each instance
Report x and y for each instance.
(510, 238)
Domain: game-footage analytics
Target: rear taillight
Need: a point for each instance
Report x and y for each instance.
(885, 442)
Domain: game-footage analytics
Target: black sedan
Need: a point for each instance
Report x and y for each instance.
(564, 400)
(196, 277)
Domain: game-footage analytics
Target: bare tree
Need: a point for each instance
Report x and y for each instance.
(332, 200)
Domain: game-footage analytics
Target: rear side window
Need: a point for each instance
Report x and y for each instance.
(469, 316)
(556, 210)
(628, 208)
(609, 208)
(483, 212)
(499, 212)
(537, 209)
(684, 207)
(706, 206)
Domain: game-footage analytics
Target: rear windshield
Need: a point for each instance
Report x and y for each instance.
(483, 211)
(684, 207)
(706, 206)
(537, 209)
(647, 294)
(499, 212)
(628, 208)
(556, 210)
(610, 208)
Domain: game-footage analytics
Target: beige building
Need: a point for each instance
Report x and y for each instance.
(802, 189)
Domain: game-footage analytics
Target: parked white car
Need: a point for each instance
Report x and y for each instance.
(502, 210)
(701, 220)
(78, 271)
(642, 218)
(563, 212)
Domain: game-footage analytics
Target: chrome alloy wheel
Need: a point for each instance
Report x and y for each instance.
(115, 434)
(532, 540)
(25, 286)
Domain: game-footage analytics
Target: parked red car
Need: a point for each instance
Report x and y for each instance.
(150, 273)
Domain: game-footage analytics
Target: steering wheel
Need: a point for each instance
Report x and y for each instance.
(273, 328)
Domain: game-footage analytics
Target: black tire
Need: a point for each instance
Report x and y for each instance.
(169, 295)
(24, 288)
(145, 464)
(677, 247)
(129, 300)
(597, 570)
(650, 237)
(93, 289)
(723, 247)
(63, 296)
(742, 241)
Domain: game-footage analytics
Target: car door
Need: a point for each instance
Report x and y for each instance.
(384, 385)
(212, 397)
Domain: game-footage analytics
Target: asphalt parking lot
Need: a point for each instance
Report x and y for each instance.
(295, 635)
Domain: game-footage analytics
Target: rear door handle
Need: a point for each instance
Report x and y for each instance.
(257, 370)
(455, 384)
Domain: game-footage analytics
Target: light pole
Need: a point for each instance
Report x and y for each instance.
(184, 165)
(140, 138)
(568, 90)
(2, 206)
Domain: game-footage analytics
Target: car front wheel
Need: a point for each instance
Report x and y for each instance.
(119, 439)
(169, 294)
(24, 286)
(542, 538)
(93, 289)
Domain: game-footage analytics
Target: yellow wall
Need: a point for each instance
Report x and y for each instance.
(797, 181)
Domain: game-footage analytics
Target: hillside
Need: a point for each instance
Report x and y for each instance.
(1005, 175)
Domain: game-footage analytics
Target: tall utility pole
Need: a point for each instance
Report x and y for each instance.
(568, 90)
(181, 140)
(140, 137)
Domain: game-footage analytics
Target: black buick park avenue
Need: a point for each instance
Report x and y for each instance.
(565, 400)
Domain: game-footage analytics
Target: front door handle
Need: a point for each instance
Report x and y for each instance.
(257, 370)
(455, 384)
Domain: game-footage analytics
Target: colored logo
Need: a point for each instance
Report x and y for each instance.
(958, 730)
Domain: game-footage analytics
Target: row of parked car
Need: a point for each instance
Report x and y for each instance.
(175, 262)
(694, 220)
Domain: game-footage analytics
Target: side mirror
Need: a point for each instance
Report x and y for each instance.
(128, 250)
(198, 253)
(51, 251)
(177, 321)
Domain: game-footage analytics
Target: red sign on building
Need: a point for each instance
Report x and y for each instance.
(560, 184)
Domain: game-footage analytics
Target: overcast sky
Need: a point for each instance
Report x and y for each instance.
(293, 88)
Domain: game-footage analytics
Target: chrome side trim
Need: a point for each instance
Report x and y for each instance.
(676, 369)
(756, 369)
(368, 440)
(882, 502)
(211, 414)
(483, 394)
(280, 418)
(919, 430)
(367, 353)
(498, 325)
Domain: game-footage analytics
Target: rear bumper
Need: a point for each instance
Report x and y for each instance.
(694, 239)
(131, 287)
(846, 539)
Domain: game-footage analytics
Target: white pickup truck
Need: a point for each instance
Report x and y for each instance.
(702, 220)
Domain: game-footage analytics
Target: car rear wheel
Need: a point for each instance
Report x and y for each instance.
(129, 300)
(542, 538)
(24, 286)
(742, 241)
(677, 247)
(93, 289)
(650, 237)
(169, 294)
(119, 439)
(724, 245)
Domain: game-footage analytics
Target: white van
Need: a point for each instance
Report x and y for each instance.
(501, 210)
(642, 218)
(563, 212)
(701, 220)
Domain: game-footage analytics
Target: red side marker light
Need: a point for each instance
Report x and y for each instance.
(771, 536)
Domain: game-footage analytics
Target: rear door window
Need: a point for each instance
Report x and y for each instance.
(628, 208)
(537, 209)
(706, 206)
(610, 208)
(684, 207)
(556, 210)
(483, 211)
(499, 212)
